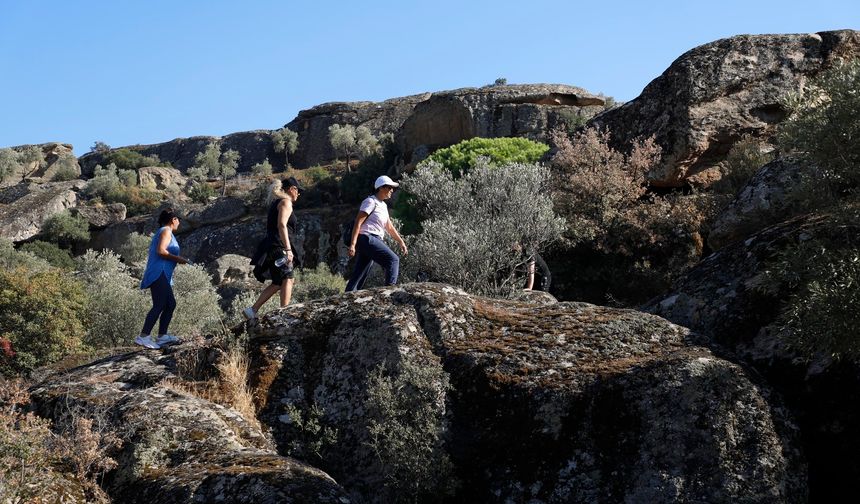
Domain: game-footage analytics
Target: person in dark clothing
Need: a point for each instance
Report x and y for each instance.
(280, 258)
(158, 278)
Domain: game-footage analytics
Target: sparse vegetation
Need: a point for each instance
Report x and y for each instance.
(742, 162)
(128, 159)
(263, 169)
(405, 420)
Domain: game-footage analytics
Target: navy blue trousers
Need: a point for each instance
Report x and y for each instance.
(369, 250)
(163, 304)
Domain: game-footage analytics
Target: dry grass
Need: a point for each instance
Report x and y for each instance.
(229, 388)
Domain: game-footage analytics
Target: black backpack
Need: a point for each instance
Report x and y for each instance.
(346, 228)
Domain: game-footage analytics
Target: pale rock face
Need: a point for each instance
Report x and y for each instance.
(23, 218)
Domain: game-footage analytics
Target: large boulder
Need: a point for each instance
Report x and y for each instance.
(177, 447)
(528, 110)
(230, 268)
(312, 124)
(102, 216)
(23, 218)
(714, 94)
(763, 201)
(722, 299)
(161, 178)
(427, 391)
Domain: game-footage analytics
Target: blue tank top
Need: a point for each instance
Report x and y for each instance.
(155, 264)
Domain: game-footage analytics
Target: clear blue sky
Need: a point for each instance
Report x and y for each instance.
(127, 72)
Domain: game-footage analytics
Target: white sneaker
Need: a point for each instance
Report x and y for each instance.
(166, 339)
(249, 313)
(146, 341)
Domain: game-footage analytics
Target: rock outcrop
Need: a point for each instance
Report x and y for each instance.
(429, 391)
(253, 147)
(22, 219)
(161, 178)
(177, 447)
(102, 216)
(714, 94)
(762, 202)
(527, 110)
(312, 124)
(721, 300)
(56, 155)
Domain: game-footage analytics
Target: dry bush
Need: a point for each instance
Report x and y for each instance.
(39, 460)
(229, 386)
(636, 241)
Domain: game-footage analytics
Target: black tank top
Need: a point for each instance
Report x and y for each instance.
(272, 224)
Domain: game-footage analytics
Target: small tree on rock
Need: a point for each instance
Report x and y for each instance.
(286, 141)
(31, 158)
(349, 140)
(214, 163)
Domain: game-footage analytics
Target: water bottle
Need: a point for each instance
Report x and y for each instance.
(280, 262)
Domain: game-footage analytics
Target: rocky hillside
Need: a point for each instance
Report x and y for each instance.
(424, 392)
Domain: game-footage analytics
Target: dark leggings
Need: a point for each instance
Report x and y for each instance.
(163, 303)
(369, 250)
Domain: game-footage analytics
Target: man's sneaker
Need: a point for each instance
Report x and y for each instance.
(146, 341)
(249, 313)
(166, 339)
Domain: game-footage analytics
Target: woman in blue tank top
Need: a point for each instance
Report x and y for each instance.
(158, 278)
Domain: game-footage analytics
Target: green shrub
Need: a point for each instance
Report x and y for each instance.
(11, 259)
(405, 414)
(201, 192)
(317, 283)
(117, 306)
(66, 230)
(358, 184)
(460, 157)
(66, 168)
(50, 252)
(135, 248)
(197, 309)
(43, 315)
(263, 169)
(315, 174)
(477, 233)
(113, 185)
(820, 280)
(824, 123)
(127, 159)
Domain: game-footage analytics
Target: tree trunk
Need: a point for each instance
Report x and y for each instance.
(224, 185)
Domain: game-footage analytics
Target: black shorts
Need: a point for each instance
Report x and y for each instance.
(280, 273)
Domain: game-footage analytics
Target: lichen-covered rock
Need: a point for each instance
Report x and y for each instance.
(230, 268)
(178, 448)
(715, 93)
(721, 300)
(762, 202)
(102, 216)
(423, 390)
(23, 218)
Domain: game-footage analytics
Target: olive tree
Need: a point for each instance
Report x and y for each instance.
(286, 141)
(350, 141)
(9, 163)
(480, 228)
(214, 163)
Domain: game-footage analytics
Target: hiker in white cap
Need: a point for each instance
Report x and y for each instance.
(367, 244)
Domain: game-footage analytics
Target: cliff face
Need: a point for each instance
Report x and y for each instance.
(713, 94)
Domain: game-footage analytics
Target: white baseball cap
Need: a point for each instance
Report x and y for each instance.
(383, 181)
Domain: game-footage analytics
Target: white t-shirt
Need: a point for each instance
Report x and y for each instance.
(377, 217)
